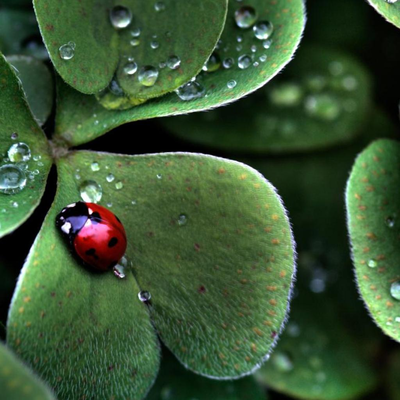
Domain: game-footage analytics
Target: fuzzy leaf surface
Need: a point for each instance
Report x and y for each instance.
(389, 11)
(16, 118)
(81, 118)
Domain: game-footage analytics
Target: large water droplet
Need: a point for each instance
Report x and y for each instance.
(95, 166)
(245, 17)
(190, 91)
(228, 62)
(148, 75)
(286, 94)
(110, 177)
(231, 84)
(130, 68)
(282, 361)
(19, 152)
(67, 51)
(322, 106)
(154, 44)
(244, 61)
(395, 290)
(12, 179)
(120, 17)
(213, 63)
(263, 30)
(91, 191)
(173, 62)
(144, 296)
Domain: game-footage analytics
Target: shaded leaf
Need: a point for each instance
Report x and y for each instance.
(17, 120)
(372, 211)
(177, 383)
(19, 33)
(389, 9)
(17, 382)
(37, 83)
(393, 372)
(80, 118)
(322, 90)
(189, 30)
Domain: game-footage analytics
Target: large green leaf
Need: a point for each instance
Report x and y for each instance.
(188, 30)
(19, 126)
(322, 99)
(19, 33)
(389, 9)
(372, 211)
(176, 383)
(208, 238)
(81, 118)
(37, 83)
(17, 382)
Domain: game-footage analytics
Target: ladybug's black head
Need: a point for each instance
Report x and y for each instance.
(72, 218)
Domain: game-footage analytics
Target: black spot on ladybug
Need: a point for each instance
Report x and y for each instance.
(92, 253)
(113, 241)
(95, 218)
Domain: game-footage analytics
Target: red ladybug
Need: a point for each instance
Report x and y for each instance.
(96, 234)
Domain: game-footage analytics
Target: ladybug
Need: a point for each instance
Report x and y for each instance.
(94, 232)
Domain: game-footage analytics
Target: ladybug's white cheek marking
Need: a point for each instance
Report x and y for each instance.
(88, 223)
(71, 205)
(66, 227)
(90, 211)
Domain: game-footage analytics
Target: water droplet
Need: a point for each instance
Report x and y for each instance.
(253, 48)
(14, 136)
(91, 191)
(154, 44)
(173, 62)
(395, 290)
(263, 58)
(110, 177)
(136, 32)
(12, 179)
(282, 361)
(148, 75)
(135, 42)
(95, 166)
(349, 83)
(390, 221)
(119, 185)
(372, 263)
(67, 51)
(190, 91)
(133, 202)
(228, 62)
(159, 6)
(182, 220)
(159, 176)
(322, 106)
(286, 94)
(213, 63)
(245, 17)
(119, 271)
(14, 204)
(120, 17)
(267, 44)
(19, 152)
(263, 30)
(130, 68)
(244, 61)
(231, 84)
(144, 296)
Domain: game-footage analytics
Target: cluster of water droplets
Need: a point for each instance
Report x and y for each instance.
(391, 1)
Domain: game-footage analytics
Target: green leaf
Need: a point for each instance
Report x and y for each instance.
(37, 83)
(177, 383)
(322, 90)
(85, 334)
(317, 358)
(16, 118)
(372, 212)
(80, 118)
(189, 30)
(19, 33)
(208, 238)
(17, 382)
(389, 10)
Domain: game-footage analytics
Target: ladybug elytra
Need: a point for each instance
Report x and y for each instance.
(94, 232)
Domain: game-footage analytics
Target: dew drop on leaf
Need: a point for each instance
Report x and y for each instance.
(245, 17)
(213, 63)
(395, 290)
(372, 263)
(148, 75)
(144, 296)
(119, 185)
(190, 91)
(159, 6)
(110, 177)
(130, 68)
(390, 221)
(263, 30)
(228, 63)
(19, 152)
(231, 84)
(120, 17)
(67, 51)
(95, 166)
(244, 61)
(282, 361)
(173, 62)
(12, 179)
(90, 191)
(182, 220)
